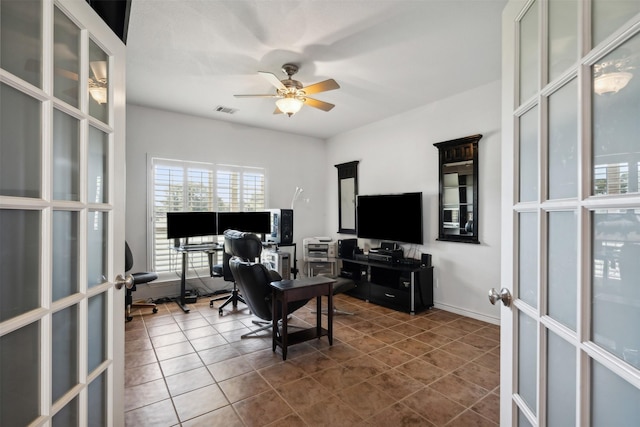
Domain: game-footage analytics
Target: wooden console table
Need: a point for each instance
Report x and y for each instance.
(286, 291)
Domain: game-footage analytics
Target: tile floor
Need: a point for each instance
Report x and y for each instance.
(385, 368)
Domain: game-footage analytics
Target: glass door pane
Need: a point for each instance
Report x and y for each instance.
(528, 259)
(616, 286)
(529, 59)
(527, 361)
(20, 145)
(561, 379)
(563, 142)
(563, 36)
(562, 267)
(528, 157)
(65, 254)
(616, 108)
(19, 262)
(64, 351)
(98, 166)
(98, 83)
(66, 157)
(21, 39)
(66, 60)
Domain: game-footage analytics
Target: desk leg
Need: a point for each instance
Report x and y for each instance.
(319, 316)
(274, 320)
(285, 331)
(329, 314)
(183, 284)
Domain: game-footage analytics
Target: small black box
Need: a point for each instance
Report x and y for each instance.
(425, 260)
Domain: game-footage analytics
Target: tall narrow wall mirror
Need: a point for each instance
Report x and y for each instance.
(347, 192)
(458, 207)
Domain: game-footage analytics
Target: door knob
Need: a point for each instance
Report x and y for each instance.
(504, 295)
(123, 281)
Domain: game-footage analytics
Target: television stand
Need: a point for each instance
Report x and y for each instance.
(402, 285)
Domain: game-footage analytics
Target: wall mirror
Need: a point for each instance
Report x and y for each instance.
(458, 207)
(347, 192)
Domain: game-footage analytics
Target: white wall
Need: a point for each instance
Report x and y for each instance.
(397, 155)
(290, 161)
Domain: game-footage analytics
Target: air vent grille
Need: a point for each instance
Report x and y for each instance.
(227, 110)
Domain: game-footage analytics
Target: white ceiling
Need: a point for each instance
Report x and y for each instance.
(388, 56)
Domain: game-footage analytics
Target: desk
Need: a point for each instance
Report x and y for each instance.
(285, 291)
(185, 250)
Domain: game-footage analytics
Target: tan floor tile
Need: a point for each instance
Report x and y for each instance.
(196, 333)
(433, 406)
(140, 358)
(421, 371)
(396, 384)
(222, 417)
(342, 352)
(159, 414)
(462, 350)
(397, 415)
(443, 360)
(459, 390)
(243, 386)
(330, 412)
(174, 350)
(366, 344)
(281, 374)
(218, 354)
(200, 401)
(391, 356)
(375, 401)
(487, 407)
(314, 392)
(291, 420)
(229, 368)
(314, 362)
(142, 374)
(188, 381)
(210, 341)
(479, 375)
(489, 360)
(413, 346)
(145, 394)
(135, 346)
(180, 364)
(471, 419)
(162, 340)
(480, 342)
(262, 409)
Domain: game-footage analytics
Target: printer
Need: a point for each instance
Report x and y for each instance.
(319, 249)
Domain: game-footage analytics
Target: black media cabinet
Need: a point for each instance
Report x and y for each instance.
(402, 287)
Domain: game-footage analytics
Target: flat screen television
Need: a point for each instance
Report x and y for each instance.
(392, 217)
(191, 224)
(252, 222)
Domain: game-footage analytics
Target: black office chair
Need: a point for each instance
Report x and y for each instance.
(224, 271)
(253, 278)
(138, 278)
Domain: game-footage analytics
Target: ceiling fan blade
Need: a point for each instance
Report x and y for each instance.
(324, 106)
(256, 96)
(321, 87)
(277, 111)
(271, 78)
(99, 69)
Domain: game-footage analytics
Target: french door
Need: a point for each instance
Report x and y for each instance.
(570, 336)
(62, 110)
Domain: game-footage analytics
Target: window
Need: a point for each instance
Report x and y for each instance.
(240, 189)
(179, 186)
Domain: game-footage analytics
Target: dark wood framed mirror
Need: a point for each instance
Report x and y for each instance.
(458, 207)
(347, 192)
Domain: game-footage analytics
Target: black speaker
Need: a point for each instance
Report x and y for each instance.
(286, 226)
(425, 260)
(346, 248)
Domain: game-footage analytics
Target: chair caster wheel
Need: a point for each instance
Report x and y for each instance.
(220, 312)
(129, 318)
(155, 310)
(211, 304)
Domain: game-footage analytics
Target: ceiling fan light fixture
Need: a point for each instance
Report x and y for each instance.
(99, 94)
(289, 105)
(611, 82)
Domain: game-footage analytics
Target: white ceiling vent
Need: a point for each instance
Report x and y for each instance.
(223, 109)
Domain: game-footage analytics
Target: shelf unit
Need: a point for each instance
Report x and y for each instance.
(402, 287)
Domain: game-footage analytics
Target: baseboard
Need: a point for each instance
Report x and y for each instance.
(467, 313)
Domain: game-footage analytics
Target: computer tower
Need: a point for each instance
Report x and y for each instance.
(277, 261)
(281, 226)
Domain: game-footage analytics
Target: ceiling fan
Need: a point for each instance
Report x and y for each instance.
(291, 94)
